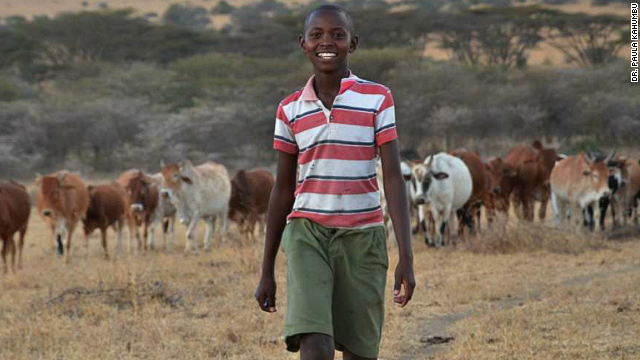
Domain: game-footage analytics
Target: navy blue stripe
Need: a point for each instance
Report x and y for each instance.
(300, 116)
(322, 177)
(356, 211)
(373, 111)
(340, 142)
(385, 128)
(285, 140)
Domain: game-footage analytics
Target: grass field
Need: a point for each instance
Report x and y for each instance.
(533, 293)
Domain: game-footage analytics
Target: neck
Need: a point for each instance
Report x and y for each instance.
(329, 83)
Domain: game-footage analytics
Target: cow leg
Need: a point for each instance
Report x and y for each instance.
(225, 223)
(20, 246)
(210, 223)
(190, 234)
(67, 255)
(133, 232)
(559, 211)
(146, 234)
(171, 222)
(103, 236)
(119, 225)
(86, 244)
(5, 249)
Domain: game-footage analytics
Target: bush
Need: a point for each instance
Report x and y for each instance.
(8, 91)
(222, 8)
(186, 16)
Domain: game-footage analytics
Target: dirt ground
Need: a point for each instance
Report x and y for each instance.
(530, 293)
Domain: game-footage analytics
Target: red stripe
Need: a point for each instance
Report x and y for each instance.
(285, 146)
(337, 152)
(291, 98)
(387, 103)
(351, 117)
(330, 187)
(341, 221)
(369, 89)
(309, 122)
(386, 136)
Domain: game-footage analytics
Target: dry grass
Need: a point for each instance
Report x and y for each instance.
(165, 305)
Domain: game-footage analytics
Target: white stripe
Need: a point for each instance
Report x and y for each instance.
(332, 167)
(337, 202)
(282, 129)
(356, 99)
(386, 117)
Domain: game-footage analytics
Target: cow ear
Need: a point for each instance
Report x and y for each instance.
(186, 179)
(440, 175)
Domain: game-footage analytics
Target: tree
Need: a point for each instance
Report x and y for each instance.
(190, 17)
(490, 36)
(587, 40)
(222, 8)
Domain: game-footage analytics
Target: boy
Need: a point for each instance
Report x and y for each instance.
(334, 239)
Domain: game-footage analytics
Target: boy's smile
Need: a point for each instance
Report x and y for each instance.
(328, 40)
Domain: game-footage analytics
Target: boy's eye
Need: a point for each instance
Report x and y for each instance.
(339, 35)
(314, 35)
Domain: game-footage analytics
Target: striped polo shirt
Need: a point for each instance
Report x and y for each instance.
(337, 150)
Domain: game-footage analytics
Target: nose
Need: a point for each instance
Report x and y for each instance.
(46, 213)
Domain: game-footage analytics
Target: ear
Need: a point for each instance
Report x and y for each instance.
(301, 42)
(440, 176)
(186, 179)
(353, 45)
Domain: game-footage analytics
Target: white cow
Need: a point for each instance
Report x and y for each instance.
(165, 214)
(200, 192)
(405, 169)
(443, 182)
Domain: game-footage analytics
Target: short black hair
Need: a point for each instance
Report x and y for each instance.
(330, 7)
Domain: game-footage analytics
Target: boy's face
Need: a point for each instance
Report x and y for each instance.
(328, 41)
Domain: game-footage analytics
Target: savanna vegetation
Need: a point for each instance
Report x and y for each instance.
(102, 91)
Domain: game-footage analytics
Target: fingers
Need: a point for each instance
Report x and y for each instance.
(409, 285)
(266, 302)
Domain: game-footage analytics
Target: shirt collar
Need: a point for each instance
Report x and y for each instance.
(309, 94)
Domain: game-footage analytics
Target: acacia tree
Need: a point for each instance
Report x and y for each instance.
(586, 40)
(490, 36)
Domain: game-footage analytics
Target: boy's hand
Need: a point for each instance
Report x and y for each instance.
(266, 294)
(403, 278)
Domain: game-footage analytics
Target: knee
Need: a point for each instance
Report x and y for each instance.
(316, 347)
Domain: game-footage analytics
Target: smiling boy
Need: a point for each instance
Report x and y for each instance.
(329, 218)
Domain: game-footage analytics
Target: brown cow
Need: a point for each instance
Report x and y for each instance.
(579, 181)
(250, 191)
(107, 207)
(499, 186)
(471, 210)
(62, 199)
(15, 207)
(532, 165)
(142, 199)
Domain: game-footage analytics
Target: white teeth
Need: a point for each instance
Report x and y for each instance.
(327, 55)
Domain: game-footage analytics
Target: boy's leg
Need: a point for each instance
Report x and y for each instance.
(316, 346)
(310, 282)
(359, 261)
(347, 355)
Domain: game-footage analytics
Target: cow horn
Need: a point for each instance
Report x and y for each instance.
(430, 161)
(61, 176)
(611, 156)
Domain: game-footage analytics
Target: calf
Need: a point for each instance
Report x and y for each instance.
(198, 192)
(250, 191)
(578, 181)
(107, 208)
(444, 182)
(62, 200)
(15, 207)
(142, 201)
(165, 214)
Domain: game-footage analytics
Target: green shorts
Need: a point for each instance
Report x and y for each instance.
(335, 285)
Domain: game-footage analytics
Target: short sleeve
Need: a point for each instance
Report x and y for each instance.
(284, 139)
(385, 126)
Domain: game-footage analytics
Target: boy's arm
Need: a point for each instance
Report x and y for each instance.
(280, 204)
(394, 188)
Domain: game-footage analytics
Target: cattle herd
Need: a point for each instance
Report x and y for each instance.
(441, 188)
(141, 201)
(460, 184)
